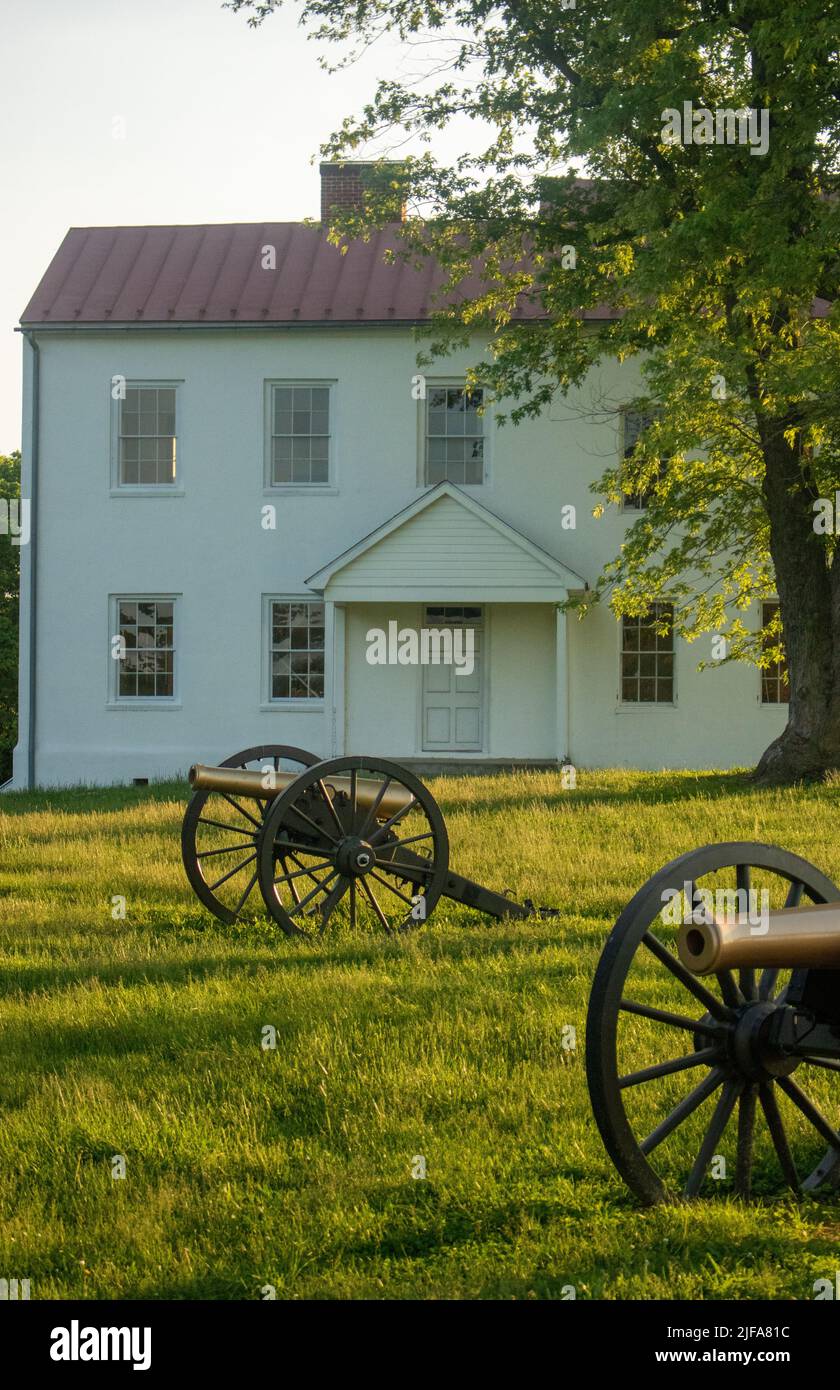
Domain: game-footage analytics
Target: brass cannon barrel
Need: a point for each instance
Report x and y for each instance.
(790, 937)
(265, 786)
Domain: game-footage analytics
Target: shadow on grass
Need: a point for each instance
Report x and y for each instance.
(652, 789)
(277, 953)
(83, 800)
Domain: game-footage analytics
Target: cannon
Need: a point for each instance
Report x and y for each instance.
(355, 838)
(716, 1006)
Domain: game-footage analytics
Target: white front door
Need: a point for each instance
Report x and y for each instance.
(452, 703)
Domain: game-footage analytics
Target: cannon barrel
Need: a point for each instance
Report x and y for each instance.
(790, 937)
(252, 785)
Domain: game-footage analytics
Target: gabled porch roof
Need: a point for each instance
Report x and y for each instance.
(445, 548)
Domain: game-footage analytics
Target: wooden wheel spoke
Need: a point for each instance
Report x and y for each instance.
(685, 977)
(320, 887)
(814, 1116)
(728, 988)
(376, 839)
(322, 786)
(332, 900)
(767, 983)
(827, 1062)
(371, 815)
(222, 825)
(319, 829)
(241, 809)
(391, 888)
(704, 1057)
(236, 870)
(717, 1124)
(375, 905)
(354, 799)
(681, 1112)
(293, 887)
(251, 881)
(746, 1136)
(228, 849)
(308, 871)
(770, 1106)
(629, 1006)
(746, 975)
(409, 871)
(412, 839)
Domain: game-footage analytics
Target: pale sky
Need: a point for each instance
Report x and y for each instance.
(221, 125)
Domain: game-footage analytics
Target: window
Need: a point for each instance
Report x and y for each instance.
(297, 650)
(454, 435)
(146, 655)
(300, 435)
(147, 439)
(774, 678)
(633, 425)
(647, 657)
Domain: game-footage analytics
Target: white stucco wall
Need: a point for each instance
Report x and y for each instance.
(208, 546)
(383, 703)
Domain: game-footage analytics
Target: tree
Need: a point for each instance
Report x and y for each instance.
(712, 229)
(9, 596)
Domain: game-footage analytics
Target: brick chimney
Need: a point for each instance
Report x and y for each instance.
(342, 187)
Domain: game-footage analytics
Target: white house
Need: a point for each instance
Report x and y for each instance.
(234, 477)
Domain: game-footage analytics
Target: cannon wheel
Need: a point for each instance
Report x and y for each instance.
(639, 1107)
(354, 860)
(219, 834)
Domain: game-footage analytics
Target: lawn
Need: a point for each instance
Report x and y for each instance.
(247, 1167)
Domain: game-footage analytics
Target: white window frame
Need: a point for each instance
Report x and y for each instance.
(270, 701)
(120, 489)
(624, 507)
(629, 705)
(331, 485)
(768, 704)
(450, 383)
(115, 701)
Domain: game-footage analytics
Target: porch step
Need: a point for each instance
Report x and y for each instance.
(447, 767)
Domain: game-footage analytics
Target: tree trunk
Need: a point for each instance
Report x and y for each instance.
(809, 604)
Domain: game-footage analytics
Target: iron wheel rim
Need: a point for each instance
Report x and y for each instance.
(608, 1081)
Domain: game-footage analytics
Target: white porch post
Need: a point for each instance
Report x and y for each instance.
(561, 687)
(335, 674)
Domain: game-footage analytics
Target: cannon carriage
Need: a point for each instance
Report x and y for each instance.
(356, 838)
(713, 1041)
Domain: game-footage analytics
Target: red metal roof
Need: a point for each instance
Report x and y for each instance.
(213, 274)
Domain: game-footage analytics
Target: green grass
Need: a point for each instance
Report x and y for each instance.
(292, 1167)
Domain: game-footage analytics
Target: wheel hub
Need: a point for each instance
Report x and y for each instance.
(355, 857)
(753, 1052)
